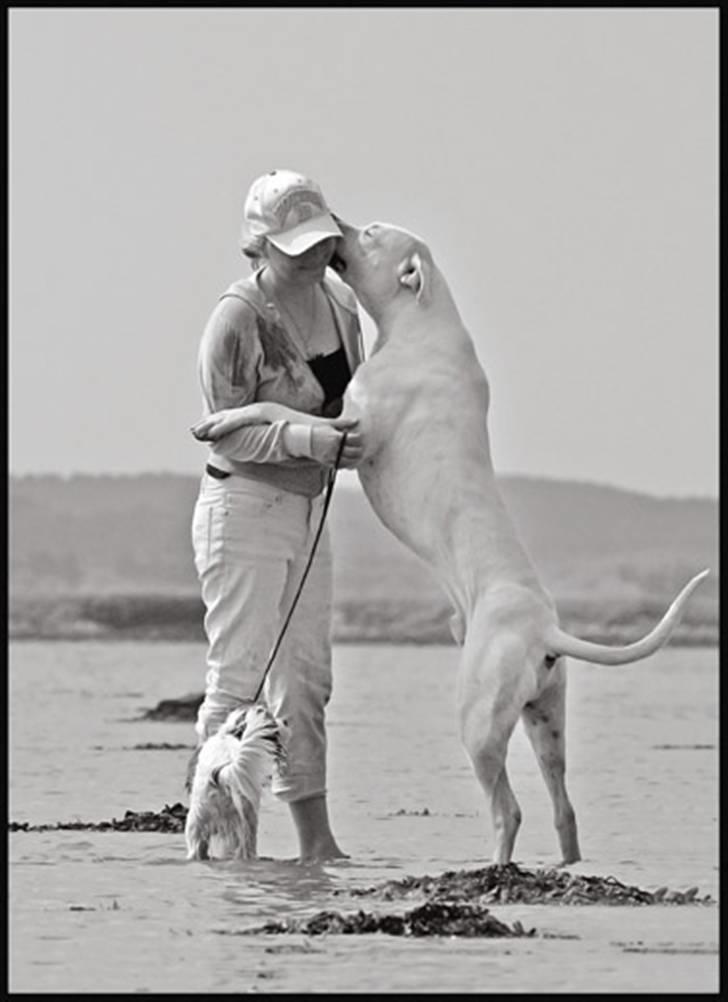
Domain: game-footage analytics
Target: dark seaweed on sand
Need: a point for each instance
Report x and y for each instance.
(433, 918)
(510, 884)
(169, 819)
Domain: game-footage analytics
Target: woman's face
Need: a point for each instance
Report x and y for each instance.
(307, 267)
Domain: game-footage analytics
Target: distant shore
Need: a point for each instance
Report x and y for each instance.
(170, 618)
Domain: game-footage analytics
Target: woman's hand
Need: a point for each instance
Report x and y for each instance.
(326, 440)
(214, 426)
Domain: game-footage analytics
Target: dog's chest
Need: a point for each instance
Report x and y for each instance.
(423, 414)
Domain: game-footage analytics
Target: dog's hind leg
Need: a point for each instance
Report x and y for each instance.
(198, 849)
(489, 704)
(249, 841)
(196, 836)
(488, 757)
(506, 815)
(544, 719)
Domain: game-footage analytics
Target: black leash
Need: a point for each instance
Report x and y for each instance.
(307, 568)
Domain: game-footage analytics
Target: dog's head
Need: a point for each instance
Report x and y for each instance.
(382, 263)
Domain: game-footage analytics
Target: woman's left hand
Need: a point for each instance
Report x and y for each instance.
(219, 424)
(353, 451)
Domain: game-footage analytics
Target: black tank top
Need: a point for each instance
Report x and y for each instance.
(333, 373)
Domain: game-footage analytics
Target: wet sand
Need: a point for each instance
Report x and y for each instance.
(642, 773)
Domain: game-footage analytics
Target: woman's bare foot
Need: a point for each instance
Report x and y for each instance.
(327, 849)
(315, 838)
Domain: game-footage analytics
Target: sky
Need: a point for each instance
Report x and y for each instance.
(560, 163)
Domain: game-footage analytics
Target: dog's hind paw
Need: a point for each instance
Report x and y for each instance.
(197, 853)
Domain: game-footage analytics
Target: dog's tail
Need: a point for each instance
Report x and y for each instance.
(559, 642)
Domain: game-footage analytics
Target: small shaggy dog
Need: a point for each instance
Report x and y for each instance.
(233, 766)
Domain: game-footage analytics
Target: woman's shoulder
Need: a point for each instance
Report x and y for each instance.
(244, 294)
(241, 303)
(235, 317)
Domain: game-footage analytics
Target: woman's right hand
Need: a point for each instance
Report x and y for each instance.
(326, 440)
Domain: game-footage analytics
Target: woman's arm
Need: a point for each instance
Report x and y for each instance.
(305, 435)
(246, 430)
(228, 364)
(222, 422)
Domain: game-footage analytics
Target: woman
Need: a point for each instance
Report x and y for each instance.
(290, 336)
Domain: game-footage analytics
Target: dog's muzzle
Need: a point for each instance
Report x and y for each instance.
(338, 263)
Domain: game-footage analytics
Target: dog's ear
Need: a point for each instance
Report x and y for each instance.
(414, 273)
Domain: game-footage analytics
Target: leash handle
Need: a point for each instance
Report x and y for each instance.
(307, 568)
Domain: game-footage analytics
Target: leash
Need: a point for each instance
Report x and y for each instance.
(307, 568)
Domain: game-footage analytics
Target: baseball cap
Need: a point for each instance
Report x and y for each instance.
(289, 210)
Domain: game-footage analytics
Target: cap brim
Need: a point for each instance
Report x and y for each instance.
(301, 238)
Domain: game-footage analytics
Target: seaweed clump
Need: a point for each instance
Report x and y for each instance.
(169, 819)
(433, 918)
(179, 708)
(511, 884)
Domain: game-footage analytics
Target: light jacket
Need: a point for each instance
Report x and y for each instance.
(246, 355)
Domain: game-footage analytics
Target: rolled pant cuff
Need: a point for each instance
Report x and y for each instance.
(294, 788)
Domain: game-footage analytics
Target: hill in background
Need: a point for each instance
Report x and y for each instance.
(122, 543)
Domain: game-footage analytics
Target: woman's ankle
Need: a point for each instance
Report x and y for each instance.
(315, 839)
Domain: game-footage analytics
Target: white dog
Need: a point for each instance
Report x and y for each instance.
(233, 767)
(422, 400)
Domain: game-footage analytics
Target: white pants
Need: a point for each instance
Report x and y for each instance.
(251, 543)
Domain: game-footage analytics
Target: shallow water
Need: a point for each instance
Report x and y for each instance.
(123, 912)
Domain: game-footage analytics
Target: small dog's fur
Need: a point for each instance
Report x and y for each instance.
(233, 767)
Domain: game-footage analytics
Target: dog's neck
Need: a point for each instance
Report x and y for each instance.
(419, 322)
(407, 309)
